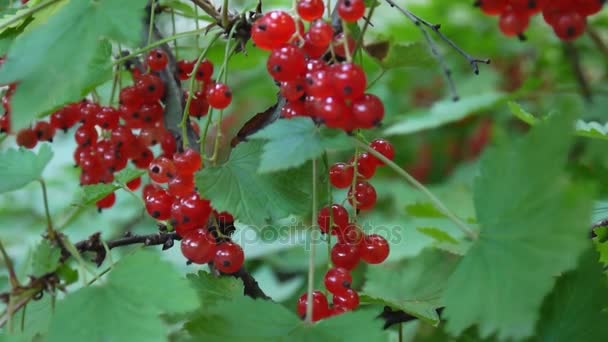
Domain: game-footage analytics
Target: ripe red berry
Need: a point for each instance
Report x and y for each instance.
(225, 218)
(190, 212)
(158, 203)
(351, 235)
(44, 131)
(5, 123)
(86, 136)
(273, 30)
(340, 219)
(374, 249)
(106, 202)
(182, 185)
(351, 10)
(161, 170)
(493, 7)
(205, 71)
(368, 111)
(107, 118)
(364, 194)
(349, 80)
(65, 118)
(513, 23)
(570, 26)
(184, 69)
(286, 63)
(338, 45)
(310, 10)
(366, 166)
(319, 84)
(346, 256)
(383, 147)
(152, 88)
(219, 95)
(157, 60)
(229, 257)
(320, 306)
(188, 162)
(293, 90)
(293, 109)
(349, 300)
(199, 246)
(341, 175)
(134, 184)
(338, 280)
(320, 34)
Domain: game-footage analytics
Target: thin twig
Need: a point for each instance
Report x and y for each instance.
(10, 267)
(311, 256)
(52, 235)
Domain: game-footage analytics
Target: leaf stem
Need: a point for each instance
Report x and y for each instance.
(311, 256)
(52, 234)
(10, 267)
(151, 25)
(470, 233)
(359, 46)
(174, 31)
(27, 13)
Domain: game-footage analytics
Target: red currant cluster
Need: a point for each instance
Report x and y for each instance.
(305, 64)
(353, 244)
(568, 18)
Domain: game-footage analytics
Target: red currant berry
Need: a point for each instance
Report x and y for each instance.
(152, 88)
(157, 60)
(161, 170)
(341, 175)
(366, 166)
(513, 23)
(351, 235)
(168, 144)
(205, 71)
(108, 118)
(229, 257)
(310, 10)
(383, 147)
(158, 204)
(338, 280)
(351, 10)
(345, 255)
(320, 34)
(182, 185)
(286, 63)
(219, 95)
(364, 194)
(349, 299)
(368, 111)
(188, 162)
(319, 84)
(106, 202)
(225, 218)
(374, 249)
(320, 306)
(293, 109)
(348, 80)
(44, 131)
(340, 219)
(570, 26)
(492, 7)
(5, 123)
(134, 184)
(184, 69)
(199, 246)
(273, 30)
(340, 49)
(86, 136)
(293, 90)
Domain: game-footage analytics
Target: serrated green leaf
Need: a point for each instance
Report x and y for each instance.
(127, 175)
(445, 112)
(291, 143)
(267, 321)
(67, 274)
(128, 306)
(52, 63)
(46, 258)
(212, 289)
(534, 226)
(254, 198)
(423, 210)
(438, 235)
(19, 167)
(415, 286)
(391, 55)
(96, 192)
(575, 310)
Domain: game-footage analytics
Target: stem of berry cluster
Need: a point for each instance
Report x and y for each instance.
(9, 266)
(184, 123)
(353, 192)
(368, 20)
(470, 233)
(52, 235)
(152, 10)
(311, 256)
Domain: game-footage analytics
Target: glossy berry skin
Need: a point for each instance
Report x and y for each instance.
(27, 138)
(229, 257)
(364, 194)
(273, 30)
(340, 219)
(134, 184)
(199, 106)
(188, 162)
(182, 185)
(293, 109)
(157, 60)
(349, 80)
(374, 249)
(199, 246)
(320, 33)
(219, 95)
(44, 131)
(385, 148)
(286, 63)
(5, 123)
(366, 166)
(368, 111)
(106, 202)
(345, 256)
(339, 46)
(320, 306)
(513, 23)
(225, 218)
(205, 71)
(152, 88)
(493, 7)
(570, 26)
(293, 90)
(338, 280)
(341, 175)
(161, 170)
(351, 235)
(190, 212)
(351, 10)
(184, 69)
(108, 118)
(319, 84)
(349, 300)
(158, 204)
(86, 136)
(310, 10)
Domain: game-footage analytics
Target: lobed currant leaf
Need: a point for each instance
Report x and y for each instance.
(45, 258)
(19, 167)
(391, 55)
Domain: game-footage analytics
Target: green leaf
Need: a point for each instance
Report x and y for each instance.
(67, 274)
(522, 114)
(423, 210)
(46, 258)
(96, 192)
(291, 143)
(392, 55)
(534, 226)
(438, 235)
(254, 198)
(127, 175)
(415, 286)
(128, 306)
(445, 112)
(19, 167)
(64, 51)
(575, 310)
(246, 319)
(601, 243)
(212, 289)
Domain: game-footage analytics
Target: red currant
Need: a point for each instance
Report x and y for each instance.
(320, 306)
(351, 10)
(86, 136)
(205, 71)
(364, 195)
(44, 131)
(341, 175)
(161, 170)
(349, 299)
(157, 60)
(340, 219)
(513, 23)
(366, 166)
(286, 63)
(368, 111)
(374, 249)
(199, 246)
(346, 256)
(184, 69)
(107, 202)
(182, 185)
(219, 95)
(273, 30)
(320, 34)
(229, 257)
(338, 280)
(570, 26)
(188, 162)
(385, 148)
(134, 184)
(310, 10)
(348, 80)
(158, 203)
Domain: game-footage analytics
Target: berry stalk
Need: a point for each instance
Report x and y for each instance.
(311, 256)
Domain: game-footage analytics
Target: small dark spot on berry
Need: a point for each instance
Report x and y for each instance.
(226, 263)
(228, 94)
(155, 169)
(277, 68)
(262, 27)
(186, 219)
(346, 284)
(571, 31)
(156, 214)
(348, 90)
(151, 88)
